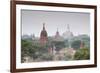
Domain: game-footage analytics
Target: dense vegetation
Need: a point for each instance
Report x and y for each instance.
(37, 52)
(82, 54)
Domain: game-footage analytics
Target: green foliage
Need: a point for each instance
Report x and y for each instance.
(84, 38)
(37, 52)
(68, 57)
(76, 44)
(32, 50)
(59, 44)
(46, 57)
(26, 49)
(86, 42)
(82, 54)
(66, 43)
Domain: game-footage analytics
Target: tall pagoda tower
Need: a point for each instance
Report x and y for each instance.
(43, 36)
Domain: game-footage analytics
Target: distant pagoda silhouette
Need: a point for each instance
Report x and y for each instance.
(57, 34)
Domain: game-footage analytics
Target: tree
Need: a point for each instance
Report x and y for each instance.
(46, 57)
(68, 56)
(66, 43)
(26, 49)
(82, 54)
(76, 44)
(59, 45)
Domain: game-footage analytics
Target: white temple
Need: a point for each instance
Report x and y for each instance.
(67, 34)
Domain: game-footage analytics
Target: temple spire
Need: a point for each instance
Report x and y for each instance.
(43, 26)
(57, 29)
(57, 33)
(68, 28)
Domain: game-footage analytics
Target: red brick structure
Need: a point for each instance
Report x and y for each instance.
(43, 36)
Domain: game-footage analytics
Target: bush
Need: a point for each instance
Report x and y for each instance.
(46, 57)
(76, 44)
(82, 54)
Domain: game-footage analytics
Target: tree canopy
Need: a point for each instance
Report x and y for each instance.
(82, 54)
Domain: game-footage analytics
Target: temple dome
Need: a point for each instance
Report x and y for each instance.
(67, 34)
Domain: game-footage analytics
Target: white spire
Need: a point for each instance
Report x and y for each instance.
(68, 28)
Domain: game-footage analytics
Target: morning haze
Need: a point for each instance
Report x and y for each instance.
(32, 22)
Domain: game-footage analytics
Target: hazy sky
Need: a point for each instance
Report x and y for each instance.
(32, 22)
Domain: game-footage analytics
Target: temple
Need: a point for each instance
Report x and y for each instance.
(43, 36)
(67, 34)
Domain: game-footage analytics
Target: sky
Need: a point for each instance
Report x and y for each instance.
(32, 22)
